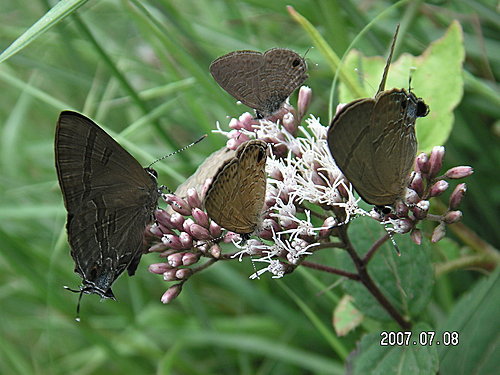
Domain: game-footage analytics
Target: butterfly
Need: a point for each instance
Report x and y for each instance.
(373, 142)
(262, 81)
(109, 197)
(235, 198)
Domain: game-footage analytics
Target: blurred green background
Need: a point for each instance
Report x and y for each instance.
(141, 68)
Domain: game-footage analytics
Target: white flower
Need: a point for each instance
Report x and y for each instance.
(276, 268)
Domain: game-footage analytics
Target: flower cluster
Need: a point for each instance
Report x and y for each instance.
(307, 198)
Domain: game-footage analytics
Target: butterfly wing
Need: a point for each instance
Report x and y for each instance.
(395, 142)
(236, 196)
(237, 73)
(350, 143)
(109, 198)
(260, 81)
(281, 74)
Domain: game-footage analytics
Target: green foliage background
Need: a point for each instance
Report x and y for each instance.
(140, 68)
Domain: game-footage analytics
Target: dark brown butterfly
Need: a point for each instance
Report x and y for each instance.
(262, 81)
(109, 197)
(235, 198)
(373, 142)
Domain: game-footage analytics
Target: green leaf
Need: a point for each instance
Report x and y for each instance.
(476, 320)
(60, 11)
(372, 358)
(440, 82)
(346, 317)
(437, 79)
(406, 280)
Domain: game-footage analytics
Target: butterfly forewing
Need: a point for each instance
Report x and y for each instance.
(109, 198)
(236, 196)
(373, 141)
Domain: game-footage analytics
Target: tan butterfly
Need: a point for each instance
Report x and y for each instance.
(373, 141)
(235, 198)
(262, 81)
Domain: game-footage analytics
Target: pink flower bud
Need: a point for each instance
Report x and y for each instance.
(168, 252)
(177, 221)
(230, 237)
(215, 229)
(186, 240)
(459, 172)
(438, 188)
(276, 174)
(270, 200)
(199, 232)
(236, 140)
(234, 123)
(438, 233)
(215, 251)
(318, 179)
(178, 204)
(169, 275)
(193, 198)
(436, 161)
(295, 149)
(248, 122)
(266, 231)
(190, 258)
(171, 293)
(304, 100)
(421, 209)
(175, 260)
(159, 268)
(422, 163)
(404, 226)
(183, 273)
(417, 183)
(201, 218)
(280, 150)
(457, 196)
(155, 229)
(290, 124)
(411, 196)
(329, 222)
(163, 218)
(401, 209)
(186, 226)
(416, 236)
(287, 223)
(452, 217)
(172, 241)
(157, 248)
(342, 188)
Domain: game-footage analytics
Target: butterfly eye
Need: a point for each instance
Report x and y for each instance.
(295, 63)
(422, 108)
(261, 155)
(152, 172)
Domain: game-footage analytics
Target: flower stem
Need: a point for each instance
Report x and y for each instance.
(370, 284)
(336, 271)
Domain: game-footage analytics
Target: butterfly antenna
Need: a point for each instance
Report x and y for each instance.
(388, 63)
(409, 78)
(179, 150)
(77, 318)
(307, 51)
(245, 238)
(254, 268)
(391, 236)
